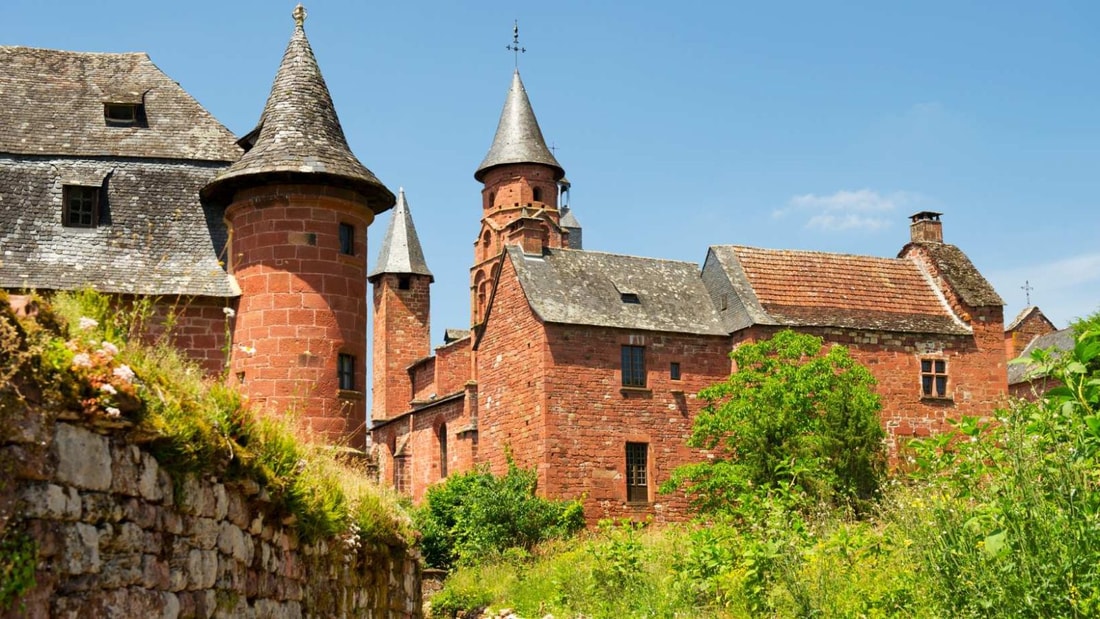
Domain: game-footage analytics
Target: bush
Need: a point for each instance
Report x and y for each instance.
(790, 425)
(475, 515)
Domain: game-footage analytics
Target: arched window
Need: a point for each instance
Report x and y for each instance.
(443, 450)
(537, 191)
(485, 239)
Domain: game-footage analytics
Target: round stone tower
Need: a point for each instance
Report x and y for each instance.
(298, 207)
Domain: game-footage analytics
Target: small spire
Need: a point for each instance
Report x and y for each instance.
(515, 46)
(518, 138)
(299, 15)
(401, 251)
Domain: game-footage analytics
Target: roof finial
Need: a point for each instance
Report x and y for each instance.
(515, 47)
(299, 15)
(1027, 288)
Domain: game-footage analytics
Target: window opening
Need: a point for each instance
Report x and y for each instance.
(674, 370)
(404, 282)
(347, 239)
(443, 450)
(633, 358)
(81, 206)
(933, 378)
(537, 193)
(400, 474)
(630, 297)
(345, 371)
(121, 114)
(637, 473)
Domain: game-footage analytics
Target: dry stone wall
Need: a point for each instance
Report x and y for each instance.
(117, 538)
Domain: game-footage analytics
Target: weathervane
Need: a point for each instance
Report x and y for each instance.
(514, 47)
(1027, 288)
(299, 15)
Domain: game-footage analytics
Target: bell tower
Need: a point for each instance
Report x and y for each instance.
(519, 200)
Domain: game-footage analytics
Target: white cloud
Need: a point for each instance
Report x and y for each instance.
(863, 209)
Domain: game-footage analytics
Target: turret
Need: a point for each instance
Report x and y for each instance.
(299, 204)
(520, 194)
(402, 303)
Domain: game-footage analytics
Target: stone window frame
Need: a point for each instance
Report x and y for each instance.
(345, 371)
(637, 472)
(632, 366)
(934, 378)
(89, 206)
(401, 474)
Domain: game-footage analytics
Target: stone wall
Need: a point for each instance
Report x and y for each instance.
(117, 538)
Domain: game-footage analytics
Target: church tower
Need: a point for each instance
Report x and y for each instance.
(299, 204)
(520, 195)
(402, 304)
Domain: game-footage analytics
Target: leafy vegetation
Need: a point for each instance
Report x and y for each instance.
(477, 515)
(84, 352)
(18, 559)
(790, 425)
(998, 518)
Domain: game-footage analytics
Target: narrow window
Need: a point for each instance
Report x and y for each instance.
(347, 239)
(492, 199)
(121, 114)
(630, 297)
(400, 474)
(674, 370)
(81, 206)
(404, 282)
(345, 371)
(633, 366)
(933, 378)
(537, 193)
(637, 472)
(443, 450)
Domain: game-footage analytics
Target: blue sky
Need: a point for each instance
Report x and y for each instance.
(786, 125)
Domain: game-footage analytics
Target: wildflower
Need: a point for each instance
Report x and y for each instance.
(82, 360)
(108, 388)
(88, 323)
(228, 311)
(248, 350)
(113, 412)
(109, 348)
(124, 373)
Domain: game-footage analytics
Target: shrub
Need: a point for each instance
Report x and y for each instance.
(475, 515)
(791, 424)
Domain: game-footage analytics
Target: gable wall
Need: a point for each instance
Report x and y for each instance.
(511, 400)
(1033, 326)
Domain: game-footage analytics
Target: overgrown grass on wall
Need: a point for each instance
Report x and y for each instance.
(84, 352)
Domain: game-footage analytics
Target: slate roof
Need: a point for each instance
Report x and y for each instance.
(1061, 341)
(807, 288)
(586, 288)
(518, 138)
(401, 251)
(154, 237)
(300, 136)
(961, 274)
(51, 103)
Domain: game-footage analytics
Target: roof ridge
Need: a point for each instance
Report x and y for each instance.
(607, 253)
(71, 51)
(817, 252)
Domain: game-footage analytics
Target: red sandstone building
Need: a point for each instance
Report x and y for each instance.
(581, 364)
(584, 365)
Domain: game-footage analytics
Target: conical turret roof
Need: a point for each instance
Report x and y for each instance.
(401, 251)
(300, 138)
(518, 138)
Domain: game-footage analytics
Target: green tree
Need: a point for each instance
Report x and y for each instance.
(790, 424)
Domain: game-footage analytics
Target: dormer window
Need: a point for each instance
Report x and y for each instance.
(81, 206)
(630, 297)
(123, 114)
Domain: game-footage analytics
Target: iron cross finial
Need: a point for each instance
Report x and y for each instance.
(515, 47)
(1027, 288)
(299, 15)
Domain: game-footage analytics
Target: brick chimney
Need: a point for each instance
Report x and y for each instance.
(926, 227)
